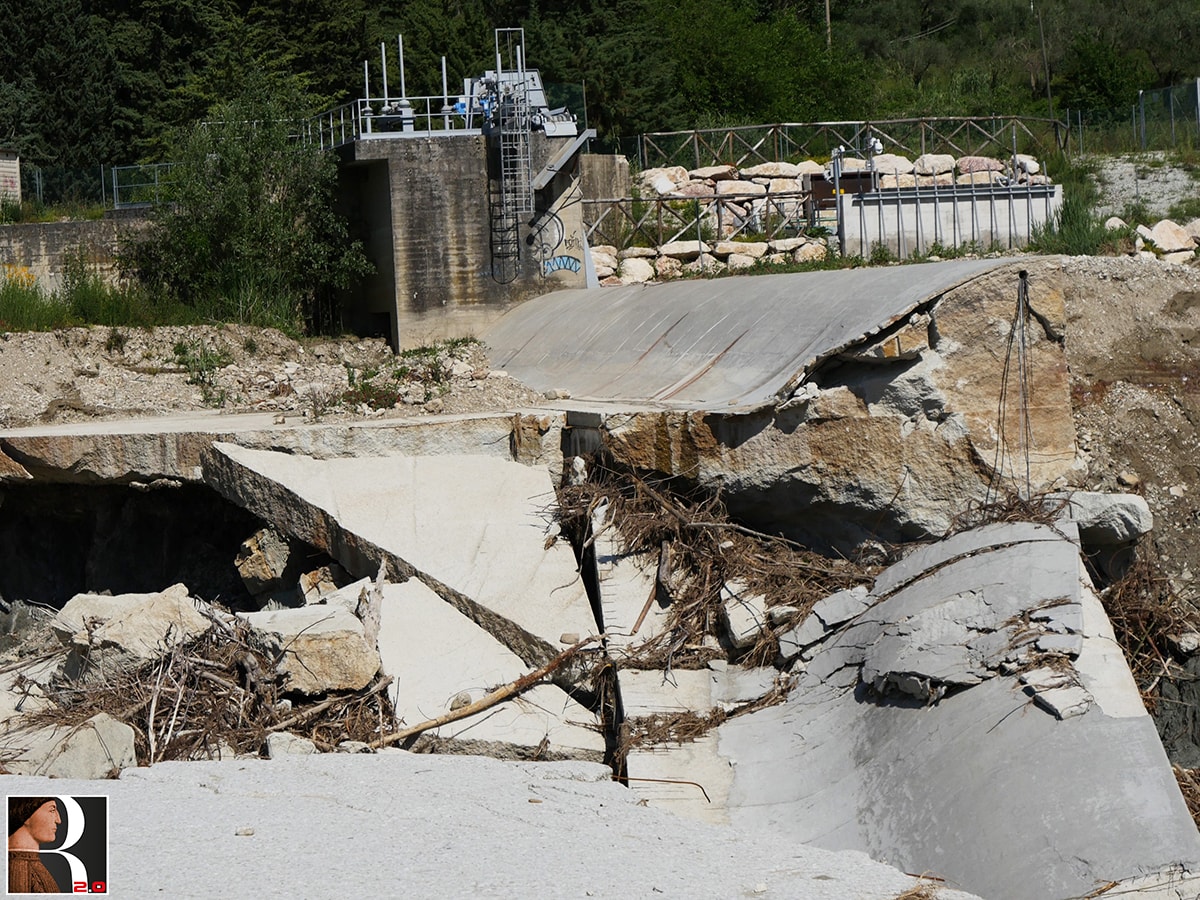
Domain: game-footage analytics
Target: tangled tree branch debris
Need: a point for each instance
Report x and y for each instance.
(699, 549)
(214, 696)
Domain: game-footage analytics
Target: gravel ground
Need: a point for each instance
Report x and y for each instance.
(1149, 179)
(82, 374)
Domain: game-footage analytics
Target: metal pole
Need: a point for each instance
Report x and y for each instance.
(1171, 106)
(400, 46)
(1142, 115)
(1080, 114)
(383, 58)
(445, 98)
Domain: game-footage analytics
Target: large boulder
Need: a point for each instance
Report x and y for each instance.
(933, 164)
(1107, 519)
(98, 748)
(320, 648)
(892, 164)
(116, 635)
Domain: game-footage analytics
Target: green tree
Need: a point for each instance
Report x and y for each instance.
(251, 234)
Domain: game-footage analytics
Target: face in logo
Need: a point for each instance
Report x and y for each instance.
(43, 824)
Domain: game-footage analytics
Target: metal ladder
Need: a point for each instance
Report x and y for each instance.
(516, 195)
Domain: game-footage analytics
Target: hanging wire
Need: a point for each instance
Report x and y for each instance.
(1018, 345)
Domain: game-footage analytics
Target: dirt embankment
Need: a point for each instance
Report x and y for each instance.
(80, 374)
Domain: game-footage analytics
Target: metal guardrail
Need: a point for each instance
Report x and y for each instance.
(390, 117)
(634, 222)
(752, 144)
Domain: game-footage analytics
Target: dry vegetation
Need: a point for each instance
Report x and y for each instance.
(213, 697)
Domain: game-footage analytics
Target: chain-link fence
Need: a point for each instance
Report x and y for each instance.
(1161, 119)
(61, 186)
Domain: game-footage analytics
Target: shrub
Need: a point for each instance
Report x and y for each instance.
(250, 234)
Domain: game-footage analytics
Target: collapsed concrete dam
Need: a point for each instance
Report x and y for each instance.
(959, 709)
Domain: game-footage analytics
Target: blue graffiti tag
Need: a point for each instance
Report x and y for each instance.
(560, 262)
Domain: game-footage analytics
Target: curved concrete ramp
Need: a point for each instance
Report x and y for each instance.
(726, 344)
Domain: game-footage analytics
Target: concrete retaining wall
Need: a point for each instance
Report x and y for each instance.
(910, 221)
(45, 249)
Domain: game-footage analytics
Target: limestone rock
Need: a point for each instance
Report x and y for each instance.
(714, 173)
(933, 164)
(1106, 519)
(753, 249)
(684, 250)
(637, 253)
(96, 749)
(970, 164)
(853, 164)
(694, 189)
(664, 180)
(138, 633)
(813, 251)
(705, 264)
(740, 189)
(892, 164)
(636, 270)
(667, 267)
(268, 562)
(1193, 228)
(1028, 164)
(894, 182)
(281, 743)
(1114, 222)
(323, 648)
(786, 245)
(783, 185)
(740, 261)
(984, 177)
(772, 170)
(1170, 238)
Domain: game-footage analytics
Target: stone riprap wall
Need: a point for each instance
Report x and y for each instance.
(43, 250)
(677, 259)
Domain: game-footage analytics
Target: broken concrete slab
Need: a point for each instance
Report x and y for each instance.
(743, 613)
(97, 748)
(691, 778)
(139, 632)
(441, 660)
(1094, 794)
(173, 446)
(843, 606)
(799, 439)
(475, 529)
(320, 648)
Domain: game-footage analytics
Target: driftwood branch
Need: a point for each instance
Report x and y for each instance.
(487, 701)
(325, 704)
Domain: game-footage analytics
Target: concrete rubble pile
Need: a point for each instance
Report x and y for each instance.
(476, 587)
